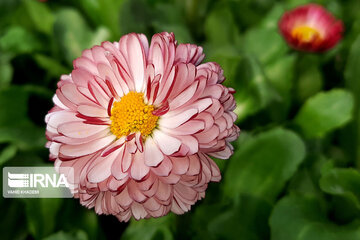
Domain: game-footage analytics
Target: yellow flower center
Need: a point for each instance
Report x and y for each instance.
(306, 34)
(131, 114)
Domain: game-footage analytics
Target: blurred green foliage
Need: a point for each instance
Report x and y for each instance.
(295, 172)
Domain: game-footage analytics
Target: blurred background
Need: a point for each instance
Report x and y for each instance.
(294, 174)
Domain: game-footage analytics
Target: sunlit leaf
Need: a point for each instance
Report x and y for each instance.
(7, 153)
(72, 33)
(325, 112)
(343, 182)
(18, 40)
(274, 48)
(78, 235)
(152, 229)
(41, 15)
(6, 73)
(262, 165)
(254, 91)
(220, 27)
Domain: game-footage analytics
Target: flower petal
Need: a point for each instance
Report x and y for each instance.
(167, 144)
(86, 148)
(153, 156)
(138, 168)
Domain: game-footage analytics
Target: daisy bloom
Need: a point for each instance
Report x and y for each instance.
(139, 124)
(310, 28)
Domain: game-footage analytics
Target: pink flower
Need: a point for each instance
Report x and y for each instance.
(310, 28)
(139, 123)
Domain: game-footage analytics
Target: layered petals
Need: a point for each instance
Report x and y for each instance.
(138, 123)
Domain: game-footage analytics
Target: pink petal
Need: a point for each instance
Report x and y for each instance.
(138, 211)
(188, 128)
(127, 159)
(167, 144)
(180, 164)
(102, 169)
(98, 93)
(99, 55)
(134, 52)
(116, 169)
(153, 156)
(164, 191)
(57, 102)
(185, 76)
(138, 168)
(135, 193)
(57, 118)
(191, 142)
(209, 135)
(194, 167)
(86, 64)
(164, 168)
(92, 111)
(184, 97)
(172, 121)
(189, 53)
(124, 198)
(87, 148)
(79, 129)
(152, 205)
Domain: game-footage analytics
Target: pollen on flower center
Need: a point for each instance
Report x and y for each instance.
(306, 34)
(131, 114)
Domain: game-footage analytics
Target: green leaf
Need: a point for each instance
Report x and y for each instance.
(247, 220)
(7, 153)
(342, 182)
(41, 214)
(229, 58)
(254, 92)
(77, 235)
(270, 21)
(352, 76)
(15, 127)
(101, 34)
(280, 74)
(75, 217)
(135, 16)
(41, 15)
(51, 65)
(6, 73)
(72, 33)
(296, 3)
(25, 135)
(151, 229)
(220, 27)
(105, 13)
(171, 19)
(309, 83)
(262, 165)
(18, 40)
(181, 32)
(274, 48)
(14, 227)
(13, 105)
(325, 112)
(303, 218)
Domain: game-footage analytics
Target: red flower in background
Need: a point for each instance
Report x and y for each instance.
(310, 28)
